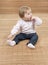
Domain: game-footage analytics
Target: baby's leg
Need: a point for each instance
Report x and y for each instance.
(19, 37)
(32, 40)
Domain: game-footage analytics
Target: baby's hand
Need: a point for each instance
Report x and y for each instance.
(33, 20)
(10, 36)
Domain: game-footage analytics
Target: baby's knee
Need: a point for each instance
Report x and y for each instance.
(36, 37)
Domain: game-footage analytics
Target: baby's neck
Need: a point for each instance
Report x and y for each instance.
(26, 20)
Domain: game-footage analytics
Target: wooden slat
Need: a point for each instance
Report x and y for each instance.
(12, 6)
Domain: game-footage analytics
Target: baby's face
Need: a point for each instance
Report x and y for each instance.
(28, 15)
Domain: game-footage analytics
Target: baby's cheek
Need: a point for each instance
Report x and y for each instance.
(28, 17)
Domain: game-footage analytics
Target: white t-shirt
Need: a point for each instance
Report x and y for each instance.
(25, 27)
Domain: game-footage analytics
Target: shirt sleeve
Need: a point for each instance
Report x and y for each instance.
(38, 21)
(16, 28)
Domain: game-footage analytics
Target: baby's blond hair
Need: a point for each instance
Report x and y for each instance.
(23, 10)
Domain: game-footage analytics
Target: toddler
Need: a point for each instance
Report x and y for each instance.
(26, 26)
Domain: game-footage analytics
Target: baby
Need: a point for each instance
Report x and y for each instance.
(26, 26)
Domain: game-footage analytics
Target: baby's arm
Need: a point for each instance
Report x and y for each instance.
(38, 21)
(14, 30)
